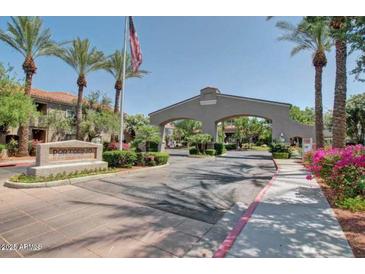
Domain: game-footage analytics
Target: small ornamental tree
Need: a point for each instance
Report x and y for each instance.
(200, 141)
(133, 122)
(59, 123)
(95, 123)
(355, 110)
(146, 134)
(15, 107)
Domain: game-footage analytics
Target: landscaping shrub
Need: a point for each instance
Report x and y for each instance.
(246, 146)
(120, 158)
(211, 152)
(353, 204)
(32, 146)
(12, 147)
(161, 158)
(152, 147)
(115, 146)
(193, 151)
(23, 178)
(281, 148)
(280, 155)
(200, 141)
(219, 148)
(2, 147)
(342, 169)
(105, 146)
(152, 158)
(230, 146)
(149, 159)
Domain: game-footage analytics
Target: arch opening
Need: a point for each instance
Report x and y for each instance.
(245, 131)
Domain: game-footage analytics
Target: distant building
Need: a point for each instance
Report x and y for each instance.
(47, 101)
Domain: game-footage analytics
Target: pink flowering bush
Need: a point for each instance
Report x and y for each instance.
(342, 169)
(115, 146)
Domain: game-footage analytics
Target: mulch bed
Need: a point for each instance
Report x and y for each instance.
(352, 223)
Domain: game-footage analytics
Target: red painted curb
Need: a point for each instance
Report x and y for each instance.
(228, 242)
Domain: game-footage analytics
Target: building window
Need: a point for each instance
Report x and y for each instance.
(42, 108)
(70, 113)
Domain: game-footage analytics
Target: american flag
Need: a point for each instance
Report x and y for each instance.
(136, 53)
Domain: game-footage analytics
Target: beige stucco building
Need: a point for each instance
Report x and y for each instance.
(46, 102)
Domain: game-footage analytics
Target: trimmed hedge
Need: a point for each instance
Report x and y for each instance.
(220, 148)
(280, 155)
(210, 152)
(230, 146)
(120, 158)
(193, 151)
(152, 147)
(117, 158)
(152, 158)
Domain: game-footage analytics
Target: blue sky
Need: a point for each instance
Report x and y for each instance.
(238, 55)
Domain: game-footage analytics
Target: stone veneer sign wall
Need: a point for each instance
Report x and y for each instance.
(67, 156)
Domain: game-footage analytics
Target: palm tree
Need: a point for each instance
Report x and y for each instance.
(83, 59)
(313, 34)
(27, 36)
(114, 65)
(338, 25)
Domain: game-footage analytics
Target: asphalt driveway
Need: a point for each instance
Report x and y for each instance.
(164, 212)
(201, 189)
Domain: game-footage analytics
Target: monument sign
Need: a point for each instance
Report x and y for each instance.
(67, 156)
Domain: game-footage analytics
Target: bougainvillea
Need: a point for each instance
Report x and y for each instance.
(342, 169)
(115, 146)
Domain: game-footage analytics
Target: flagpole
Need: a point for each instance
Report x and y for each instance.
(121, 132)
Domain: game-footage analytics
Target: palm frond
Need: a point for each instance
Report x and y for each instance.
(114, 65)
(309, 34)
(26, 35)
(81, 56)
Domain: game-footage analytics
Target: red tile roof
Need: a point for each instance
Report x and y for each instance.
(54, 96)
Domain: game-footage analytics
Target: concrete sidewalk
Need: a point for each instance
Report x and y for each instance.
(294, 219)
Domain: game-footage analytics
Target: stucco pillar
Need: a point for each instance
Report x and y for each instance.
(161, 145)
(279, 131)
(210, 127)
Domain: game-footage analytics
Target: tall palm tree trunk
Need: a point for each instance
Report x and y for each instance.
(81, 82)
(318, 107)
(29, 68)
(339, 107)
(118, 88)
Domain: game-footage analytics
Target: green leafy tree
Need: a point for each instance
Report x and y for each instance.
(16, 108)
(252, 130)
(241, 130)
(95, 123)
(355, 109)
(305, 116)
(187, 128)
(98, 117)
(28, 37)
(327, 120)
(146, 134)
(83, 59)
(200, 141)
(59, 123)
(313, 34)
(133, 122)
(356, 38)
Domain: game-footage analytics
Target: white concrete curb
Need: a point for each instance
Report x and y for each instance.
(11, 184)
